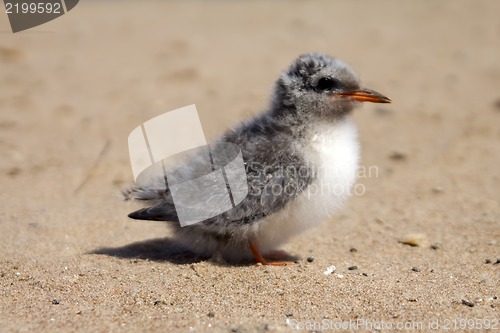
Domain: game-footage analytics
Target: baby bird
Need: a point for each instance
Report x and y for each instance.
(301, 157)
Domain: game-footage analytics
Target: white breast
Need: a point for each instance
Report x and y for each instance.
(333, 151)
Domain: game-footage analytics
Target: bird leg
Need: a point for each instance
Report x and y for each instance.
(259, 258)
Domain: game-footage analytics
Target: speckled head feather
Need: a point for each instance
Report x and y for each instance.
(307, 86)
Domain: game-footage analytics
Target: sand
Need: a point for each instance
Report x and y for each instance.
(73, 89)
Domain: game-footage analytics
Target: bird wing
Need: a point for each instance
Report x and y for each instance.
(270, 187)
(276, 174)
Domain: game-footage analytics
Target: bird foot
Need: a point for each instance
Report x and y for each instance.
(273, 255)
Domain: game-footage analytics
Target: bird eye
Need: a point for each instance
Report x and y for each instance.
(327, 83)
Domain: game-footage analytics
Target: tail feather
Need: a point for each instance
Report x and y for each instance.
(144, 194)
(160, 212)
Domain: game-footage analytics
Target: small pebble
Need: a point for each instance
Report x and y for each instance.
(353, 249)
(470, 304)
(329, 270)
(415, 269)
(437, 189)
(487, 261)
(397, 156)
(55, 301)
(211, 314)
(435, 246)
(352, 268)
(289, 314)
(310, 259)
(497, 262)
(414, 240)
(364, 274)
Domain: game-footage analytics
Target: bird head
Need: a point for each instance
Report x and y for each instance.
(320, 86)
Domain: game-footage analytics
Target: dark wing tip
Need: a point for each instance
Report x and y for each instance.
(140, 214)
(155, 213)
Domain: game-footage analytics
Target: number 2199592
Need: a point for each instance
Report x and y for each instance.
(32, 8)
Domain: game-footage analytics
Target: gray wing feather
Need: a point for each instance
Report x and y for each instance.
(275, 175)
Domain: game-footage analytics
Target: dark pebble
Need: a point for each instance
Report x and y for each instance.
(56, 301)
(487, 261)
(353, 249)
(365, 274)
(211, 314)
(415, 269)
(469, 304)
(497, 262)
(310, 259)
(352, 268)
(435, 246)
(397, 156)
(289, 315)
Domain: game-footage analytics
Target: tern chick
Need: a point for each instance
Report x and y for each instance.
(301, 157)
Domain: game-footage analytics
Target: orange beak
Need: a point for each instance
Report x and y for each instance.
(365, 95)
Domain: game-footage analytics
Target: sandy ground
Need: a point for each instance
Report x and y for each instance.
(72, 90)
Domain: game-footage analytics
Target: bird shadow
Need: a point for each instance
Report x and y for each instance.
(158, 249)
(168, 250)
